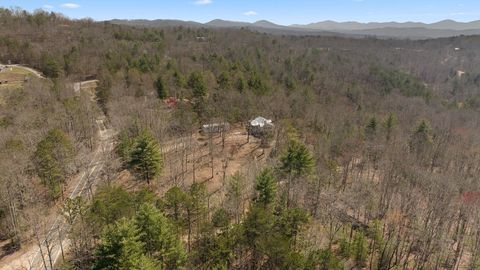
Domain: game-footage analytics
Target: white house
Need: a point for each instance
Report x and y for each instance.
(259, 126)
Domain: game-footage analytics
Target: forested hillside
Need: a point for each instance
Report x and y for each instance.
(373, 162)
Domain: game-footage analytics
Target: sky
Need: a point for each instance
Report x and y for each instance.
(283, 12)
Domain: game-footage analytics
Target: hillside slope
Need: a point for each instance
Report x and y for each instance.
(372, 159)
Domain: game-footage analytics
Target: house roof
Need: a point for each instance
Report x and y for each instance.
(260, 122)
(470, 197)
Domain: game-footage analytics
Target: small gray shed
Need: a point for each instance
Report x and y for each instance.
(216, 128)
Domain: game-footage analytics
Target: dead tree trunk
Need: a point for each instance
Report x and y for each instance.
(60, 239)
(39, 244)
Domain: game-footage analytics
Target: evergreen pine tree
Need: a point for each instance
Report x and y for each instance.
(371, 128)
(174, 204)
(145, 158)
(161, 88)
(421, 139)
(224, 81)
(52, 157)
(160, 238)
(265, 187)
(389, 124)
(197, 84)
(360, 249)
(234, 196)
(120, 248)
(297, 160)
(51, 67)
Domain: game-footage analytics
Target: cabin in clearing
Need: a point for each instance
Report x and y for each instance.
(260, 126)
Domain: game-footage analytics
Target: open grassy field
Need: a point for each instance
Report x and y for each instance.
(12, 77)
(15, 76)
(19, 70)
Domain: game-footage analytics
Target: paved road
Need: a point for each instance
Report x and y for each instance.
(42, 258)
(45, 256)
(51, 250)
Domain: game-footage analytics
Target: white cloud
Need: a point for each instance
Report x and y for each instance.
(70, 5)
(48, 7)
(203, 2)
(250, 13)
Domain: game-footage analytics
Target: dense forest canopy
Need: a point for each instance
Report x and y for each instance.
(373, 161)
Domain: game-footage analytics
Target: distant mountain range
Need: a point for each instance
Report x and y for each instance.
(355, 26)
(413, 30)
